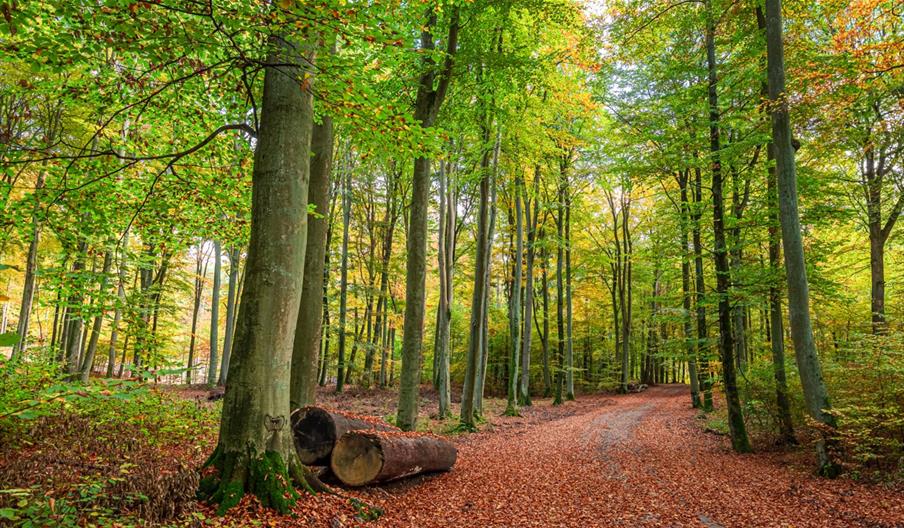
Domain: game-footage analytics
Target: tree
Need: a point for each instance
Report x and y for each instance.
(432, 87)
(255, 452)
(808, 365)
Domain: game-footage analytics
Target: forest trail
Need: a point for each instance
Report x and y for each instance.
(625, 461)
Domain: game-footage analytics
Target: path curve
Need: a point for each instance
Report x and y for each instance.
(627, 461)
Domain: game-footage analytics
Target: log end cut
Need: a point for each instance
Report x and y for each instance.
(357, 459)
(315, 434)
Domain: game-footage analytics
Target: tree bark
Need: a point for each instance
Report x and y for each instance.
(531, 218)
(308, 331)
(234, 263)
(739, 440)
(215, 314)
(316, 431)
(255, 452)
(430, 94)
(808, 365)
(343, 276)
(366, 457)
(91, 351)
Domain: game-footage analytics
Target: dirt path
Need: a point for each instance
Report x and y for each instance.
(636, 460)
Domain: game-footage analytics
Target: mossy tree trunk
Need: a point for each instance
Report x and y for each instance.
(255, 452)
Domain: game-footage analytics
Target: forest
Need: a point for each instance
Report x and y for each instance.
(452, 263)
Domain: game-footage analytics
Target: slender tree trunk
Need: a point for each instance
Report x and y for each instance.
(446, 262)
(120, 305)
(808, 366)
(569, 311)
(479, 295)
(91, 351)
(234, 262)
(308, 331)
(739, 439)
(689, 338)
(343, 277)
(531, 218)
(706, 379)
(515, 312)
(430, 95)
(255, 452)
(200, 273)
(547, 371)
(74, 316)
(212, 373)
(31, 269)
(560, 292)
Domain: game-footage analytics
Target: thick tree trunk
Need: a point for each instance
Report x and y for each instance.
(255, 452)
(234, 262)
(316, 431)
(808, 366)
(308, 331)
(215, 314)
(366, 457)
(739, 439)
(430, 95)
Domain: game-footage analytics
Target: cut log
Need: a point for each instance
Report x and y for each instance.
(316, 431)
(367, 457)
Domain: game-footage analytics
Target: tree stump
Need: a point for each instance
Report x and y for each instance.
(367, 457)
(316, 431)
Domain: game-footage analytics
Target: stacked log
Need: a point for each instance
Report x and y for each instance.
(367, 457)
(316, 431)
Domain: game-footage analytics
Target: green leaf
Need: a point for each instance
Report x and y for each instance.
(9, 339)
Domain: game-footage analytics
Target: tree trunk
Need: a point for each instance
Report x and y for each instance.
(343, 275)
(569, 311)
(560, 290)
(74, 316)
(531, 217)
(815, 392)
(706, 378)
(739, 439)
(430, 94)
(31, 269)
(690, 348)
(255, 452)
(515, 312)
(120, 305)
(366, 457)
(200, 273)
(234, 263)
(446, 263)
(547, 371)
(91, 351)
(215, 314)
(308, 332)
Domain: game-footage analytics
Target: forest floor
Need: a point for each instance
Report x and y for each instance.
(635, 460)
(604, 460)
